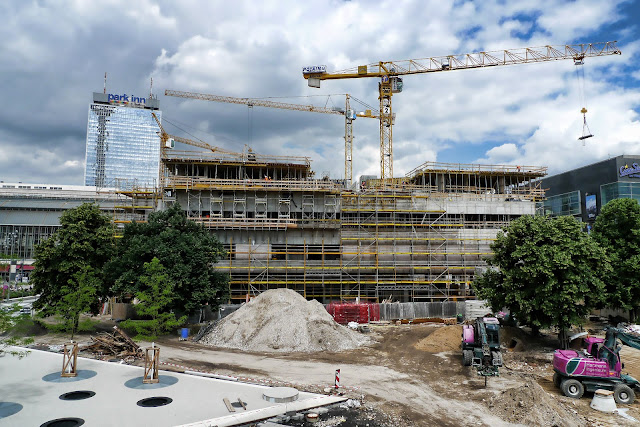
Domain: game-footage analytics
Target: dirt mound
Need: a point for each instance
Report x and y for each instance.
(281, 320)
(530, 405)
(445, 338)
(514, 338)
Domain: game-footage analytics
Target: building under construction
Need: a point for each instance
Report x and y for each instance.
(417, 238)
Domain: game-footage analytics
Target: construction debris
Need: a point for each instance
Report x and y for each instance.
(529, 404)
(116, 344)
(281, 320)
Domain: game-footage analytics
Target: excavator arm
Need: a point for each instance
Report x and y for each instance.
(627, 338)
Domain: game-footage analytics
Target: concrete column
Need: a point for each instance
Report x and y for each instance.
(12, 270)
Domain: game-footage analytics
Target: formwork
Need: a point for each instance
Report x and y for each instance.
(422, 237)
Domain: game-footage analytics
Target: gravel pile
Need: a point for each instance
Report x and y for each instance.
(530, 405)
(281, 320)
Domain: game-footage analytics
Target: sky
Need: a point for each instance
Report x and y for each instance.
(53, 56)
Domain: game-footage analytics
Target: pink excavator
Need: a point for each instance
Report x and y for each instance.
(597, 366)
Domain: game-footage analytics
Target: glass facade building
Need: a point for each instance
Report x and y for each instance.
(123, 145)
(620, 190)
(562, 204)
(584, 191)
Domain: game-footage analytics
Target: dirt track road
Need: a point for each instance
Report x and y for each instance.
(377, 383)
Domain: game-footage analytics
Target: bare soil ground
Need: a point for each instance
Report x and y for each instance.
(404, 378)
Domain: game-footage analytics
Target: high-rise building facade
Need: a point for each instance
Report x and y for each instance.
(123, 145)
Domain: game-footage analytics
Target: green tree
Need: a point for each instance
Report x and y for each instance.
(617, 230)
(547, 272)
(78, 296)
(68, 269)
(183, 247)
(155, 300)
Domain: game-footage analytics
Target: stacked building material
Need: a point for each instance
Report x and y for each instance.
(344, 313)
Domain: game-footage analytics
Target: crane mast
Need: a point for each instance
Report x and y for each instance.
(389, 73)
(348, 143)
(348, 114)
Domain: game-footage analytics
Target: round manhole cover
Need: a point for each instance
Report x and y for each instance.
(64, 422)
(280, 394)
(153, 402)
(77, 395)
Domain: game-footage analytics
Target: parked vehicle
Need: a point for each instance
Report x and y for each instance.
(597, 366)
(481, 346)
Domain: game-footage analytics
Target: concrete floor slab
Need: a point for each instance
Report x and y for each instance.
(196, 401)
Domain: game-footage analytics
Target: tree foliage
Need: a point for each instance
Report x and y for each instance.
(68, 268)
(547, 272)
(78, 296)
(187, 251)
(154, 303)
(617, 230)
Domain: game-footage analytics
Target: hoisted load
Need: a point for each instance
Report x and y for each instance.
(579, 62)
(586, 133)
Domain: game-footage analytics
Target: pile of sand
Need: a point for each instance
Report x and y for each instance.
(281, 320)
(444, 338)
(529, 404)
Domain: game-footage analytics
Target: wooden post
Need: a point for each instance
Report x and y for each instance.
(151, 365)
(69, 359)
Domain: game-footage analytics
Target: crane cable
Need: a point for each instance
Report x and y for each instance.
(586, 132)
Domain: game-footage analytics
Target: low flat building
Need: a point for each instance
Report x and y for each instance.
(582, 192)
(30, 213)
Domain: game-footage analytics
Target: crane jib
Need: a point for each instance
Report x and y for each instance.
(387, 70)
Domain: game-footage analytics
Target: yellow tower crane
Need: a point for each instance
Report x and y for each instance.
(349, 115)
(389, 73)
(167, 141)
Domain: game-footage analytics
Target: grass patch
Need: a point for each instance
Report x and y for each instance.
(57, 325)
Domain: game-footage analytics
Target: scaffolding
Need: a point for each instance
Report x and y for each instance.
(133, 203)
(418, 238)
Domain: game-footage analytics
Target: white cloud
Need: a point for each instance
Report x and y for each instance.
(73, 164)
(503, 153)
(54, 55)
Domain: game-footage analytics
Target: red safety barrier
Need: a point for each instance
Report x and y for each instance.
(344, 313)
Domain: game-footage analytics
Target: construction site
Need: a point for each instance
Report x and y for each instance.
(351, 299)
(421, 239)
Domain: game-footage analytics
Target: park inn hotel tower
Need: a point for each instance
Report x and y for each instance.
(123, 146)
